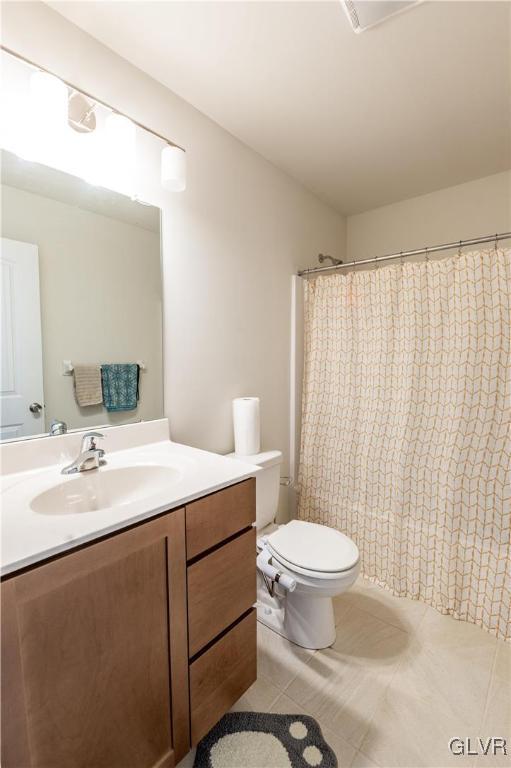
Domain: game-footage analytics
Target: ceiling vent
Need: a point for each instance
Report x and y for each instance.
(364, 14)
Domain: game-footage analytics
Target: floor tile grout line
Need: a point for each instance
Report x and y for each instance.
(285, 690)
(293, 700)
(387, 687)
(307, 661)
(490, 681)
(322, 724)
(287, 642)
(345, 738)
(389, 623)
(423, 641)
(274, 701)
(427, 607)
(423, 617)
(280, 691)
(326, 729)
(370, 759)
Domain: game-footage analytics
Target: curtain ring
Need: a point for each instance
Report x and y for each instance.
(459, 249)
(401, 258)
(496, 241)
(427, 256)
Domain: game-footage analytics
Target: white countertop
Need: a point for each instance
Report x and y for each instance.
(29, 536)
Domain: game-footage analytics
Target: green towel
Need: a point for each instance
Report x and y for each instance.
(120, 386)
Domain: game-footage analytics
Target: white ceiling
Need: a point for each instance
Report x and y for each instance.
(420, 102)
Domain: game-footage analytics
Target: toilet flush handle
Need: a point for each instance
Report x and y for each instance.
(265, 566)
(285, 581)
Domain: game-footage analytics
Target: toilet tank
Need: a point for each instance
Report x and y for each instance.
(267, 484)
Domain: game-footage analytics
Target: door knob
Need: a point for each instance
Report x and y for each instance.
(35, 407)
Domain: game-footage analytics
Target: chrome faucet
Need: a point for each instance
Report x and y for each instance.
(58, 427)
(90, 457)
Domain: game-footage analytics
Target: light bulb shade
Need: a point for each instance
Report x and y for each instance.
(121, 133)
(49, 98)
(13, 125)
(173, 169)
(119, 161)
(46, 130)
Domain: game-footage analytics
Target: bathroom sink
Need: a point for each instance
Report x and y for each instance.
(104, 488)
(45, 513)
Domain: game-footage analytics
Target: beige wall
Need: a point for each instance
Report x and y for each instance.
(230, 242)
(479, 207)
(100, 281)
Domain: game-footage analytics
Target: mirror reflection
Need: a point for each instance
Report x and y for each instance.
(81, 296)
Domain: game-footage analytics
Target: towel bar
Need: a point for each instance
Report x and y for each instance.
(67, 367)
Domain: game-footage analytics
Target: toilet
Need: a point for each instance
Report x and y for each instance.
(301, 565)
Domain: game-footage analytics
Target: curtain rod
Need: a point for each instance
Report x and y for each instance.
(88, 95)
(433, 249)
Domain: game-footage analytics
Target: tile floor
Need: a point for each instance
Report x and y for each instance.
(400, 681)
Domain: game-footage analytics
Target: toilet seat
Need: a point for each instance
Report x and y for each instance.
(313, 550)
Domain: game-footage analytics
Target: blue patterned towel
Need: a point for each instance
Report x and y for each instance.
(120, 386)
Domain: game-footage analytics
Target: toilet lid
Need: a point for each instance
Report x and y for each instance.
(314, 547)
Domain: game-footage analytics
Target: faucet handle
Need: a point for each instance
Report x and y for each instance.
(89, 441)
(58, 427)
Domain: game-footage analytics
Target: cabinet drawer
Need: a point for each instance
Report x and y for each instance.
(221, 675)
(221, 587)
(215, 518)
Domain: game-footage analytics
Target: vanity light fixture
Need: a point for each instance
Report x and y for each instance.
(102, 145)
(120, 153)
(49, 95)
(87, 155)
(81, 113)
(173, 168)
(46, 122)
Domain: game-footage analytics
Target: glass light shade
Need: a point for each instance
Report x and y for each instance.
(173, 169)
(13, 125)
(120, 154)
(87, 157)
(49, 95)
(46, 130)
(14, 85)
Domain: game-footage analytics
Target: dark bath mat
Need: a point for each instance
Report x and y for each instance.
(261, 740)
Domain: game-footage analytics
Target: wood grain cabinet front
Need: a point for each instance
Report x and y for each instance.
(221, 587)
(87, 642)
(96, 657)
(217, 517)
(220, 675)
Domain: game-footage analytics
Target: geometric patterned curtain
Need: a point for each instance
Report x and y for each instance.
(406, 443)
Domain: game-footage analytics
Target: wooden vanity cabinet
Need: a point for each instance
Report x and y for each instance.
(221, 549)
(215, 518)
(89, 644)
(221, 588)
(97, 667)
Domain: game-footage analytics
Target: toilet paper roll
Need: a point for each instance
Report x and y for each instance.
(245, 415)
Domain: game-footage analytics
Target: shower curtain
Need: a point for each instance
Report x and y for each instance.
(406, 427)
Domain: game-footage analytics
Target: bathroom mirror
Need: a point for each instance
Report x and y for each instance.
(80, 286)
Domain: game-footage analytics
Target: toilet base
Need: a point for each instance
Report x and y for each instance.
(305, 621)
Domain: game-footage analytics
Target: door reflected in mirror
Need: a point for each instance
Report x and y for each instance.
(81, 304)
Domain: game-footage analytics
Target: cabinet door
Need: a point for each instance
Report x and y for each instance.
(88, 644)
